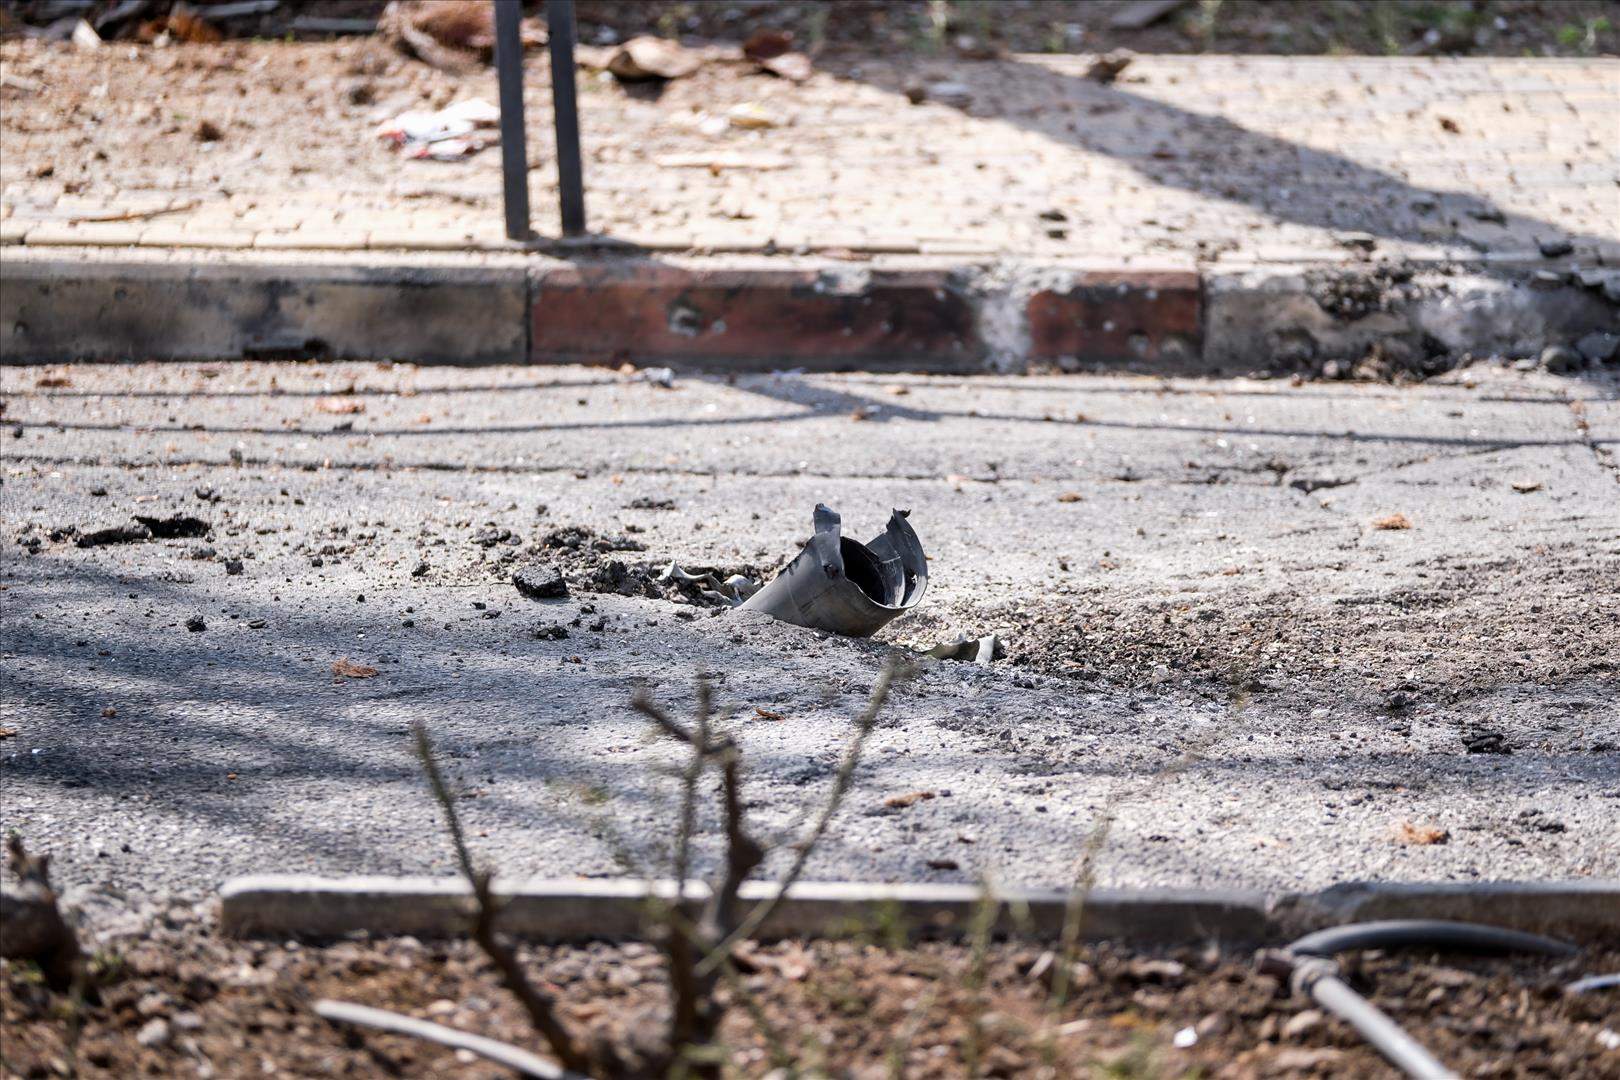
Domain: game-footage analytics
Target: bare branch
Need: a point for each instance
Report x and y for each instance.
(683, 838)
(538, 1005)
(781, 1057)
(684, 942)
(514, 1058)
(743, 852)
(446, 799)
(892, 672)
(691, 998)
(705, 701)
(642, 702)
(32, 926)
(698, 955)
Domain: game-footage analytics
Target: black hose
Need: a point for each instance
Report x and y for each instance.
(1435, 933)
(1314, 973)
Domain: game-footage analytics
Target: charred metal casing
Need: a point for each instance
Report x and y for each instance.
(846, 587)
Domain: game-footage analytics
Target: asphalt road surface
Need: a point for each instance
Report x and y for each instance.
(1220, 666)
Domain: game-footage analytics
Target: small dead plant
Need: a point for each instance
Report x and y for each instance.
(696, 933)
(33, 925)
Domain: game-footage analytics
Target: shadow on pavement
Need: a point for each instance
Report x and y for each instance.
(1215, 157)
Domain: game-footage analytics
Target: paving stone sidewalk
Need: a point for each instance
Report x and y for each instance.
(1208, 161)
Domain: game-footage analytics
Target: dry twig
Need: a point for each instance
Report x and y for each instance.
(891, 673)
(695, 1014)
(538, 1005)
(33, 926)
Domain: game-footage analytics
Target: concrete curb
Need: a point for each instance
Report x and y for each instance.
(53, 311)
(276, 905)
(741, 313)
(1572, 909)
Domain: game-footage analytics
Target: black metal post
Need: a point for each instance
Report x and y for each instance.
(565, 109)
(514, 149)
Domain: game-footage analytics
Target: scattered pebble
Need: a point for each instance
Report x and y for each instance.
(154, 1033)
(1561, 359)
(1485, 741)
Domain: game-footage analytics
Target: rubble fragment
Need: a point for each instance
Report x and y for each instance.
(847, 587)
(646, 58)
(540, 581)
(981, 650)
(454, 132)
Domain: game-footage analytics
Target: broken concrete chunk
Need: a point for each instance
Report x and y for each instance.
(1483, 740)
(840, 585)
(84, 36)
(540, 581)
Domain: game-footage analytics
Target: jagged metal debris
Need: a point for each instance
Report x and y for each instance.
(709, 586)
(847, 587)
(980, 650)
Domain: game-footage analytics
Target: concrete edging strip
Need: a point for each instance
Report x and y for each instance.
(277, 905)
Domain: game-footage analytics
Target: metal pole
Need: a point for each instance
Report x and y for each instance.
(514, 151)
(565, 110)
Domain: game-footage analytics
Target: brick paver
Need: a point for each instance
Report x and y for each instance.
(1185, 160)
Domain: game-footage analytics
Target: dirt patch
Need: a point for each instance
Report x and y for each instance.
(180, 1002)
(1467, 633)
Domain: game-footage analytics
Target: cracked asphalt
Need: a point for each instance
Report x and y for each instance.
(1217, 658)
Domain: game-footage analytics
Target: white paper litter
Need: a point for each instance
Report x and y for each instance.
(450, 134)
